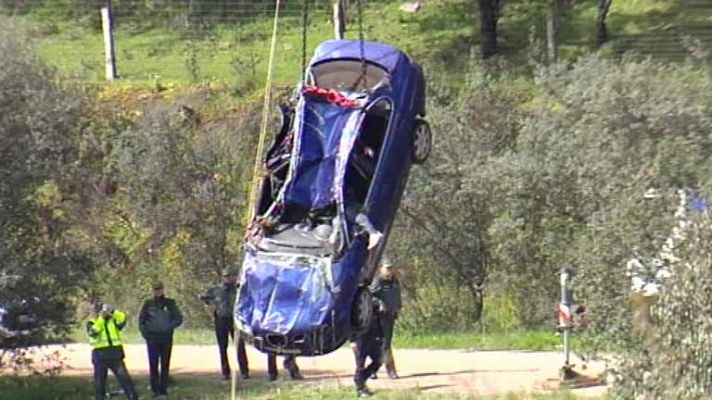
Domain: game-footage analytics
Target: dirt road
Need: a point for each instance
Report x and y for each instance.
(444, 371)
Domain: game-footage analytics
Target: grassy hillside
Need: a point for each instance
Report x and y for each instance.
(442, 34)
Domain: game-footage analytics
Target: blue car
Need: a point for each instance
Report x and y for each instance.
(335, 174)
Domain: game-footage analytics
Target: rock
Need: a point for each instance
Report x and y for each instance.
(410, 7)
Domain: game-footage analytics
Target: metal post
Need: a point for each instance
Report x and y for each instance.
(107, 22)
(566, 317)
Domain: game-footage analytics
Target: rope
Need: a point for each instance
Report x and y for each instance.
(257, 171)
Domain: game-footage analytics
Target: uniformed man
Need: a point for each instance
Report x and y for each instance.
(222, 298)
(104, 331)
(158, 318)
(386, 288)
(289, 364)
(367, 345)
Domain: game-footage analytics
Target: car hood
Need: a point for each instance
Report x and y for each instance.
(284, 293)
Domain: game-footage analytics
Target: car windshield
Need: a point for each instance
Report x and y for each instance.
(348, 75)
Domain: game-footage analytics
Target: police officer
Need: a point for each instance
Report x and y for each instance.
(104, 332)
(222, 298)
(369, 344)
(386, 288)
(289, 364)
(158, 318)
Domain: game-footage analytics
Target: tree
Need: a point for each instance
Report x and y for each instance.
(489, 15)
(601, 16)
(552, 30)
(44, 261)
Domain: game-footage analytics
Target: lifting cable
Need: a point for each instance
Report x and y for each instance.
(258, 171)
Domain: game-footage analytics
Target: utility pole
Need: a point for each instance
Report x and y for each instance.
(107, 22)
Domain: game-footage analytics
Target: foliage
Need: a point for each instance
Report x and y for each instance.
(204, 388)
(526, 179)
(674, 361)
(44, 173)
(180, 202)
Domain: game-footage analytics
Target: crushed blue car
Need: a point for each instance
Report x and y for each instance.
(335, 175)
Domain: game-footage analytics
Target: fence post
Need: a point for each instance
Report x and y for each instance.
(552, 30)
(107, 22)
(339, 19)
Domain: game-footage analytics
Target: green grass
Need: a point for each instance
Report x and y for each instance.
(132, 335)
(441, 35)
(516, 340)
(197, 387)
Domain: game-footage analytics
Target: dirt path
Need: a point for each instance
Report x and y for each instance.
(444, 371)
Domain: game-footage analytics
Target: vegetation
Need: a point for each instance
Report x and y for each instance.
(204, 388)
(537, 165)
(515, 340)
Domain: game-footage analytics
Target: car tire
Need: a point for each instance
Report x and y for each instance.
(422, 141)
(362, 310)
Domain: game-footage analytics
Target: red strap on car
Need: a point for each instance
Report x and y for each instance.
(332, 96)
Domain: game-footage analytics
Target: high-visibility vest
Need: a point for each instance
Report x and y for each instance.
(105, 332)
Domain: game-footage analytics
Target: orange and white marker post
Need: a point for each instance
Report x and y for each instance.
(566, 316)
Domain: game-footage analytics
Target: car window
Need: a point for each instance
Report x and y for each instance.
(347, 75)
(364, 156)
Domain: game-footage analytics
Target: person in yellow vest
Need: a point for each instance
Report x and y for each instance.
(104, 332)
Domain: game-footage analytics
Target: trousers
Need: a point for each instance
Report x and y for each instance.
(159, 360)
(101, 372)
(225, 330)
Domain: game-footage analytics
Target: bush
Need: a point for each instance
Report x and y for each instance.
(43, 263)
(674, 362)
(526, 178)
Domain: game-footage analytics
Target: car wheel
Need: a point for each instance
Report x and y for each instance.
(422, 141)
(361, 310)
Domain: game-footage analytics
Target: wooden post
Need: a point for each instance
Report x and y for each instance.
(107, 22)
(339, 19)
(552, 31)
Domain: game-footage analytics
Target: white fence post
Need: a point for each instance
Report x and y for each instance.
(339, 19)
(107, 22)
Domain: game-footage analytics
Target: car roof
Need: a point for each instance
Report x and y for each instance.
(381, 54)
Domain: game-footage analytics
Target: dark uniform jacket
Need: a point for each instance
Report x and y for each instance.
(223, 297)
(159, 317)
(387, 291)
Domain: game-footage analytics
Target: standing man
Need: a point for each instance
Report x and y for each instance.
(158, 318)
(222, 298)
(104, 332)
(386, 288)
(368, 345)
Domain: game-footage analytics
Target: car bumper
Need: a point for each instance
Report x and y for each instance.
(318, 341)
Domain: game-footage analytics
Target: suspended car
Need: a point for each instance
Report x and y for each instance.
(335, 174)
